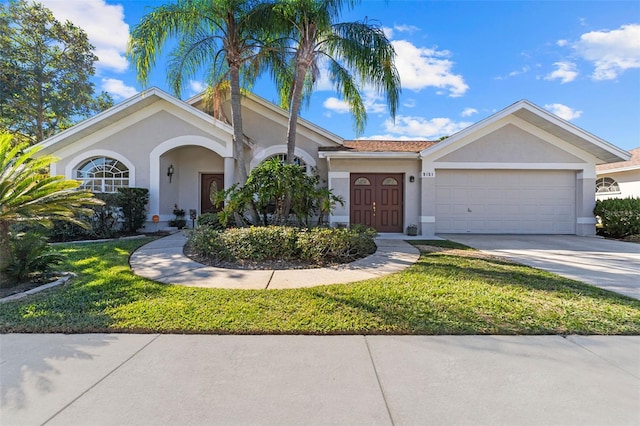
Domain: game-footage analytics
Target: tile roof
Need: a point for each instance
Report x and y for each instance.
(381, 146)
(633, 162)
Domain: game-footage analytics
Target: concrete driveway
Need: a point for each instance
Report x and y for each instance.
(608, 264)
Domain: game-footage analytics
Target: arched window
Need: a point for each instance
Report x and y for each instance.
(296, 160)
(102, 174)
(606, 185)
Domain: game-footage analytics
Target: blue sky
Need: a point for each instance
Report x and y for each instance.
(459, 61)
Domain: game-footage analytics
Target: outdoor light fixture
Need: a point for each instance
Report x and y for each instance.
(170, 172)
(412, 178)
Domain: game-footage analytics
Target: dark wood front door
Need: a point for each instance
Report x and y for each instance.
(209, 185)
(376, 201)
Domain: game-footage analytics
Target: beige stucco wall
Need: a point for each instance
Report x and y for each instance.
(132, 143)
(510, 144)
(339, 183)
(628, 181)
(189, 163)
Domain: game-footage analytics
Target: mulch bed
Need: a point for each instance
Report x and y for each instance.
(258, 265)
(27, 285)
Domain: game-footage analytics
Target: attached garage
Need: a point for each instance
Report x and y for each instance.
(506, 201)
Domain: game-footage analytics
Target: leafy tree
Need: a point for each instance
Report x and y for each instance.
(217, 34)
(273, 184)
(46, 66)
(354, 52)
(29, 196)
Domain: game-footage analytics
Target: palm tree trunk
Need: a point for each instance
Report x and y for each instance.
(236, 118)
(296, 99)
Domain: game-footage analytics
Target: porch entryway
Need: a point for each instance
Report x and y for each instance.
(377, 201)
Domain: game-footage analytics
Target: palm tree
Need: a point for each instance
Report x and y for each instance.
(27, 195)
(354, 52)
(217, 33)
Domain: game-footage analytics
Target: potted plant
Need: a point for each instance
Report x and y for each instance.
(412, 230)
(179, 221)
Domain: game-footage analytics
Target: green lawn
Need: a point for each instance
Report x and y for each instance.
(441, 294)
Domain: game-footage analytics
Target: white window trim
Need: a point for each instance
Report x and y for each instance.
(85, 156)
(282, 149)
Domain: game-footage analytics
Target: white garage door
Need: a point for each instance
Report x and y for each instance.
(505, 201)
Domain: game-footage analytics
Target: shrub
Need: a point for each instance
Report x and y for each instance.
(133, 202)
(620, 217)
(212, 220)
(283, 243)
(273, 192)
(124, 211)
(30, 255)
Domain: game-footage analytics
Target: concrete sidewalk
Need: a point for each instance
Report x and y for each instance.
(163, 260)
(121, 379)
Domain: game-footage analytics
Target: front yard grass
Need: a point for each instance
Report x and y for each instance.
(443, 293)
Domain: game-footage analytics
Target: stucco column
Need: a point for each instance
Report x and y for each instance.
(229, 172)
(585, 202)
(339, 184)
(428, 206)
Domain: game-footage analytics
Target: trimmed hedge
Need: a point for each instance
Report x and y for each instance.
(269, 243)
(620, 217)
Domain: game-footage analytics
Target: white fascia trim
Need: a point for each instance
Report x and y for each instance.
(305, 124)
(525, 126)
(301, 121)
(71, 165)
(617, 170)
(154, 91)
(372, 155)
(427, 219)
(339, 175)
(263, 154)
(529, 106)
(586, 220)
(511, 166)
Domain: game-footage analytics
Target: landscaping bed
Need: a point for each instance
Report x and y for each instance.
(443, 293)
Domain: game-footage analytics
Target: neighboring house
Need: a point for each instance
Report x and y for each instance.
(522, 170)
(620, 179)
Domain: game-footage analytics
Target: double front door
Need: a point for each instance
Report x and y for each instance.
(376, 201)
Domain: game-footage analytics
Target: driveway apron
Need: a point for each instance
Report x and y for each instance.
(608, 264)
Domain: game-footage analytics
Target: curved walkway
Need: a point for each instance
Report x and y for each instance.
(163, 260)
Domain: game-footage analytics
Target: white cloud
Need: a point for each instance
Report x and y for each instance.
(406, 28)
(565, 72)
(409, 103)
(422, 67)
(117, 88)
(467, 112)
(390, 32)
(104, 25)
(196, 87)
(562, 43)
(612, 52)
(372, 102)
(412, 128)
(563, 111)
(336, 105)
(525, 69)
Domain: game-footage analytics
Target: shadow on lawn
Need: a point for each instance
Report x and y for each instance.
(419, 305)
(505, 273)
(104, 280)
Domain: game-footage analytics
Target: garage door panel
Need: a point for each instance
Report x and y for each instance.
(505, 201)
